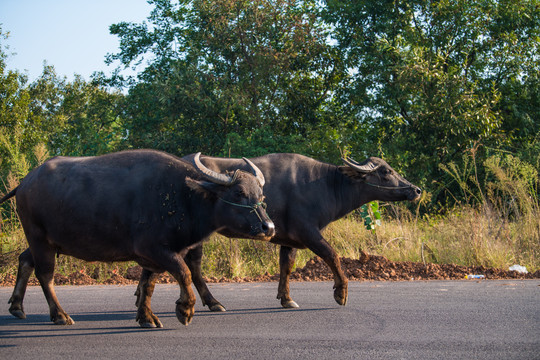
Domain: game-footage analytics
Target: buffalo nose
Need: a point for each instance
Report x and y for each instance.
(269, 228)
(418, 191)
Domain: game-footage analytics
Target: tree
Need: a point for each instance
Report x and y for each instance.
(432, 78)
(222, 69)
(91, 117)
(78, 118)
(16, 139)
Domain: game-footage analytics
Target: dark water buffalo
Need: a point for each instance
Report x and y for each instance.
(141, 205)
(304, 196)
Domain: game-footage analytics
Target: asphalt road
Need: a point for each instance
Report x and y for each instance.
(382, 320)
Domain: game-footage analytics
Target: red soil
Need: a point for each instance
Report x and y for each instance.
(368, 267)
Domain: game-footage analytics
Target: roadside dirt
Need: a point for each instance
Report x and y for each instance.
(368, 267)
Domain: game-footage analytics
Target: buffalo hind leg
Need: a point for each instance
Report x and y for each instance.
(145, 289)
(287, 256)
(25, 270)
(193, 261)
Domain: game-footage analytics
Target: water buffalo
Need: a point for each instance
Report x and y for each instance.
(141, 205)
(303, 196)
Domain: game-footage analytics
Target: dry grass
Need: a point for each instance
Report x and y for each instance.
(231, 258)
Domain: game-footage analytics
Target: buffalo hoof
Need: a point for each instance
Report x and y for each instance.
(63, 320)
(217, 308)
(341, 296)
(289, 304)
(184, 315)
(151, 325)
(149, 322)
(146, 318)
(18, 313)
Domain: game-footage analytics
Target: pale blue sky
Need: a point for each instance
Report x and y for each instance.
(71, 35)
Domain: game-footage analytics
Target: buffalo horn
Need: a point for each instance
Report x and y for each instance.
(256, 171)
(213, 176)
(365, 169)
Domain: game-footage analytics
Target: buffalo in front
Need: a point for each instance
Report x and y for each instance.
(141, 205)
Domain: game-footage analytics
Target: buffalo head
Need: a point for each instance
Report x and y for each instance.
(385, 183)
(239, 200)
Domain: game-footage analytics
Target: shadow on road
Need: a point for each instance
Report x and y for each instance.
(39, 326)
(258, 311)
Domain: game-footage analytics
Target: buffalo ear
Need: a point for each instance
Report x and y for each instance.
(205, 188)
(351, 173)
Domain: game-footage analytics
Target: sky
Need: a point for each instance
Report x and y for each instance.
(71, 35)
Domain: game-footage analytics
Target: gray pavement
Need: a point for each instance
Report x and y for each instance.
(382, 320)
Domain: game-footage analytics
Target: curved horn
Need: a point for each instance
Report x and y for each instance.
(365, 169)
(213, 176)
(256, 171)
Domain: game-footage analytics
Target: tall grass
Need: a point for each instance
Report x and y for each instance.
(500, 222)
(496, 225)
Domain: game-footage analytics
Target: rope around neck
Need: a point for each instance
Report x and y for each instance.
(388, 187)
(253, 207)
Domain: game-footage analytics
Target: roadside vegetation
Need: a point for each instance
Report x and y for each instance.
(497, 226)
(447, 92)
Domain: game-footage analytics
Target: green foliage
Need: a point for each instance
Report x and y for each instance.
(260, 142)
(224, 70)
(432, 78)
(371, 215)
(16, 160)
(89, 118)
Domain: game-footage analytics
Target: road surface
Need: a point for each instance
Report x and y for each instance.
(382, 320)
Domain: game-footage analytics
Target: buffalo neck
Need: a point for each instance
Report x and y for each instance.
(204, 212)
(190, 214)
(350, 194)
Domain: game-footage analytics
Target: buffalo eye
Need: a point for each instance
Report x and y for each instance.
(240, 193)
(387, 174)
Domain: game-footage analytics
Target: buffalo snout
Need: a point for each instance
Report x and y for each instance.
(265, 229)
(268, 229)
(415, 193)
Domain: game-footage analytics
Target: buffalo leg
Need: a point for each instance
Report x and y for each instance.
(146, 276)
(321, 248)
(193, 261)
(185, 305)
(25, 270)
(44, 268)
(174, 264)
(287, 256)
(145, 316)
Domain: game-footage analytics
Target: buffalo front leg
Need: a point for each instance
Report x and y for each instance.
(145, 289)
(163, 258)
(287, 256)
(26, 268)
(185, 305)
(193, 261)
(321, 248)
